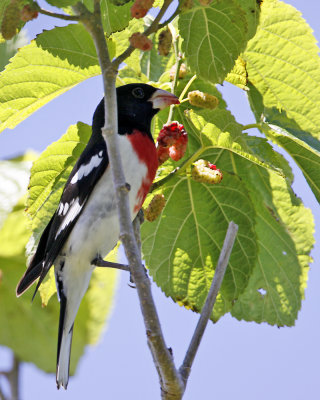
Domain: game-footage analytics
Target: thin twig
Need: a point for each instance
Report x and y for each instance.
(99, 262)
(210, 301)
(151, 29)
(2, 396)
(56, 15)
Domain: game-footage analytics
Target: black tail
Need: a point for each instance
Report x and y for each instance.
(31, 274)
(36, 265)
(64, 346)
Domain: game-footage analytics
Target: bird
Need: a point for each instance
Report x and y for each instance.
(85, 225)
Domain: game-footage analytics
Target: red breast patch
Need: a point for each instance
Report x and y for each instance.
(147, 154)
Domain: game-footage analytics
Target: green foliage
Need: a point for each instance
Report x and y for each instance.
(41, 71)
(267, 50)
(214, 36)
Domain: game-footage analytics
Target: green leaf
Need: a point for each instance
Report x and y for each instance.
(251, 167)
(283, 64)
(50, 173)
(238, 75)
(114, 18)
(302, 146)
(285, 237)
(182, 246)
(306, 157)
(213, 38)
(252, 11)
(43, 70)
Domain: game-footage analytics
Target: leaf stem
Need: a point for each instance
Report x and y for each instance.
(251, 126)
(176, 76)
(185, 368)
(187, 87)
(177, 170)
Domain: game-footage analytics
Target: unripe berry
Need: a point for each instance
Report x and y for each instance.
(11, 20)
(204, 100)
(140, 8)
(27, 13)
(186, 5)
(182, 71)
(140, 41)
(165, 41)
(156, 205)
(205, 172)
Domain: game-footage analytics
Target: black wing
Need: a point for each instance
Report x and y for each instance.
(87, 171)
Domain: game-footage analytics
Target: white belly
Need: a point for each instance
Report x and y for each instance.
(97, 229)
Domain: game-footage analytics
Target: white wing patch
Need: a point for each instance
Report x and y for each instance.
(86, 169)
(71, 213)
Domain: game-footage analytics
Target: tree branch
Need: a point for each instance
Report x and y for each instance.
(55, 15)
(99, 262)
(13, 378)
(151, 29)
(210, 301)
(169, 377)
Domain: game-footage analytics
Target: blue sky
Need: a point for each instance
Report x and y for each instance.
(236, 359)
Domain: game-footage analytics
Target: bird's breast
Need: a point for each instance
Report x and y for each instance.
(145, 153)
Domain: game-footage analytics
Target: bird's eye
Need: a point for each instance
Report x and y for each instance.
(138, 93)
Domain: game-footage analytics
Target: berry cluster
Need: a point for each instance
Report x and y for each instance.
(205, 172)
(14, 13)
(140, 41)
(171, 142)
(140, 8)
(204, 100)
(165, 41)
(156, 205)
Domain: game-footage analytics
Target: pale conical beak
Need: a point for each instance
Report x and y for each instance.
(162, 99)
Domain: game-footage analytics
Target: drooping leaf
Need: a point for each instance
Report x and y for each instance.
(238, 75)
(302, 146)
(285, 237)
(306, 157)
(213, 38)
(42, 71)
(283, 64)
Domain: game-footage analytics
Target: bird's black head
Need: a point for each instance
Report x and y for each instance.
(137, 104)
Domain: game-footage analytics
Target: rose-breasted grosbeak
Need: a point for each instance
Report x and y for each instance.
(85, 225)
